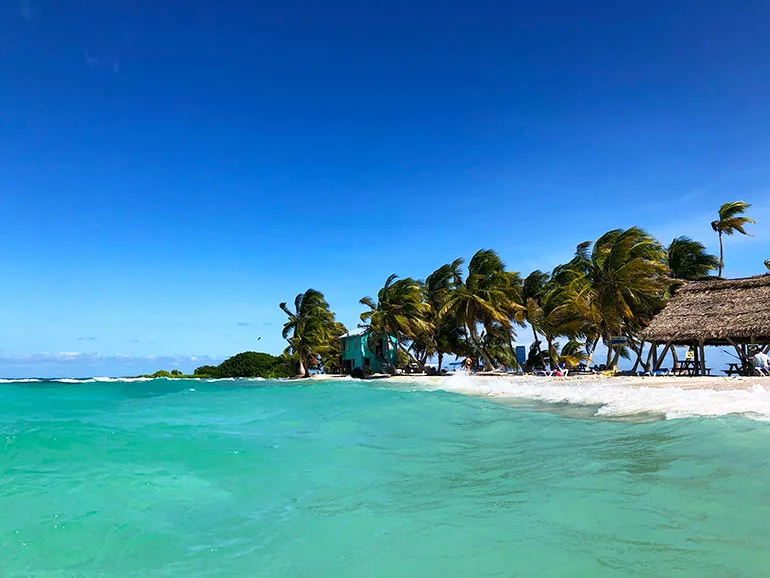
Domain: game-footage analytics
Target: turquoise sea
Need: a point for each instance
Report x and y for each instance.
(352, 479)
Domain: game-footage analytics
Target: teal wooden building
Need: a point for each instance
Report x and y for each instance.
(356, 353)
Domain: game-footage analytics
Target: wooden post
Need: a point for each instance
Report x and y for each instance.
(696, 358)
(702, 359)
(738, 350)
(652, 357)
(659, 361)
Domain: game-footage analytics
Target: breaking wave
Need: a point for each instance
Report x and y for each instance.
(617, 397)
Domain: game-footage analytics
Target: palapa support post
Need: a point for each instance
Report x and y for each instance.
(662, 357)
(702, 358)
(695, 359)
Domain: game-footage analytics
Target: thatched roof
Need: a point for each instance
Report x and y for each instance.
(715, 310)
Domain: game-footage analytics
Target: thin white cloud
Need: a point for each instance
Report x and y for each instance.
(27, 10)
(91, 61)
(77, 356)
(116, 68)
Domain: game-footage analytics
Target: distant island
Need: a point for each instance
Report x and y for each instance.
(246, 364)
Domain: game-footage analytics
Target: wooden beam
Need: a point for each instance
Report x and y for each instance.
(737, 349)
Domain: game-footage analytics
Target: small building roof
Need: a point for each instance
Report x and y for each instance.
(716, 311)
(357, 333)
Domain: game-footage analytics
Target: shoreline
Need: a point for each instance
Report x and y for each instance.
(710, 382)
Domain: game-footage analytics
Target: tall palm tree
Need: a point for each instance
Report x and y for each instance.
(446, 335)
(533, 290)
(488, 297)
(560, 317)
(688, 260)
(620, 284)
(399, 312)
(730, 220)
(311, 329)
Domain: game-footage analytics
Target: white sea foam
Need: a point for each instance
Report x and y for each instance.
(618, 398)
(25, 380)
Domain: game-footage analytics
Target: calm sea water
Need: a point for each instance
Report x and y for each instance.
(183, 478)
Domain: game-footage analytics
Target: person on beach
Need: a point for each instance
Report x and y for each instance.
(761, 363)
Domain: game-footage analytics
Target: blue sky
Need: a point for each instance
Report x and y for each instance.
(171, 171)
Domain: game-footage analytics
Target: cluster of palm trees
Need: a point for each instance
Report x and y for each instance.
(611, 288)
(313, 333)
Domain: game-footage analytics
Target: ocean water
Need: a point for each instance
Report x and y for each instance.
(354, 479)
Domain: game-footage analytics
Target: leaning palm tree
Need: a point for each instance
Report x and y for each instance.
(399, 312)
(730, 220)
(619, 285)
(688, 260)
(533, 289)
(446, 334)
(487, 297)
(310, 330)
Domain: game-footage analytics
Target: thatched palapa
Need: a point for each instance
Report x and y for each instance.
(715, 312)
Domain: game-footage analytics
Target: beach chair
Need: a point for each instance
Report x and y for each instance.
(762, 371)
(559, 371)
(656, 373)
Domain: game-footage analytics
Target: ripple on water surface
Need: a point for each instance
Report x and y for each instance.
(339, 478)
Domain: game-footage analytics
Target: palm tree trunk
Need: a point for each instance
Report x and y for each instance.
(440, 358)
(539, 351)
(590, 351)
(409, 354)
(639, 353)
(487, 361)
(301, 370)
(551, 360)
(721, 254)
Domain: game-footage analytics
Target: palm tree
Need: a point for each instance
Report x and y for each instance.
(487, 297)
(446, 335)
(311, 329)
(331, 355)
(533, 290)
(688, 260)
(560, 317)
(730, 220)
(619, 285)
(399, 312)
(767, 263)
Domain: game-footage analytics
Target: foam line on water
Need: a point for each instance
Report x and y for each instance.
(617, 398)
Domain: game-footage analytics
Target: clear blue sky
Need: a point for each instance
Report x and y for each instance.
(171, 171)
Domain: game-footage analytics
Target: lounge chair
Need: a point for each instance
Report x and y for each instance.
(559, 371)
(762, 371)
(656, 373)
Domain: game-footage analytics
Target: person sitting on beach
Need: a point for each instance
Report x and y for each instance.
(761, 363)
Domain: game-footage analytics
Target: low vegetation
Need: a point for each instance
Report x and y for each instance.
(246, 364)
